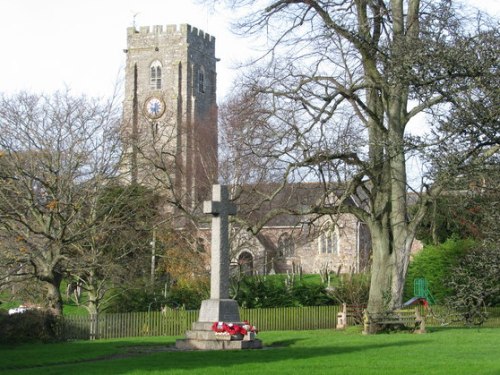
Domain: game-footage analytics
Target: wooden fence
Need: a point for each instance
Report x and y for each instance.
(107, 326)
(177, 322)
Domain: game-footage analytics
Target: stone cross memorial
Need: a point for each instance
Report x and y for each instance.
(219, 308)
(220, 208)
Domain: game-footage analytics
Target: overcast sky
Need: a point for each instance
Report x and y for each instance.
(49, 44)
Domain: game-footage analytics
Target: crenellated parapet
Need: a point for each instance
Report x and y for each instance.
(184, 31)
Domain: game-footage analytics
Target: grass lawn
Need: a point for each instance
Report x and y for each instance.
(443, 351)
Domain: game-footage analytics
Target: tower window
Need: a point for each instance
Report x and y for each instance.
(155, 75)
(154, 129)
(201, 81)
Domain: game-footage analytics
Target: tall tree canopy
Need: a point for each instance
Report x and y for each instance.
(57, 153)
(333, 99)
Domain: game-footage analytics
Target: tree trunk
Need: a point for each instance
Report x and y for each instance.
(391, 253)
(92, 306)
(54, 297)
(381, 270)
(92, 301)
(390, 230)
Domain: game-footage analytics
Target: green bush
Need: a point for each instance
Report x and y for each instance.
(308, 294)
(260, 292)
(188, 297)
(134, 300)
(185, 295)
(434, 263)
(279, 291)
(29, 326)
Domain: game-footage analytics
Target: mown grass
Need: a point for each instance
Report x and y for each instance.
(444, 351)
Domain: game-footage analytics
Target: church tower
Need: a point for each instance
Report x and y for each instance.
(170, 111)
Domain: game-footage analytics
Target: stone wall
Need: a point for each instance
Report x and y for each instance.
(305, 255)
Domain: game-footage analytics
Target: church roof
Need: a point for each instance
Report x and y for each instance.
(283, 205)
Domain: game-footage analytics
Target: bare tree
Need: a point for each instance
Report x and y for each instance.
(336, 90)
(115, 253)
(58, 152)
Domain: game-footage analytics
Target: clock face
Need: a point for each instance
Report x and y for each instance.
(154, 107)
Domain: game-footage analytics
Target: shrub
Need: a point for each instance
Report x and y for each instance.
(279, 291)
(29, 326)
(308, 294)
(188, 295)
(260, 292)
(134, 300)
(474, 283)
(352, 289)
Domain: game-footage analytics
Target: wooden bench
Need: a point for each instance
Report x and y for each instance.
(348, 314)
(410, 319)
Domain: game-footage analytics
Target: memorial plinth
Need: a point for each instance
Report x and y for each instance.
(201, 337)
(219, 308)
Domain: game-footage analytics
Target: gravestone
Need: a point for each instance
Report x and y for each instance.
(219, 308)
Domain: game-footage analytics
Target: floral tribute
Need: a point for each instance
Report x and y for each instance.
(221, 328)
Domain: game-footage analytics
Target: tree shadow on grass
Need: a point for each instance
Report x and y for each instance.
(282, 343)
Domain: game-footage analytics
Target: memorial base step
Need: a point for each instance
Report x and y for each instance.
(192, 344)
(201, 337)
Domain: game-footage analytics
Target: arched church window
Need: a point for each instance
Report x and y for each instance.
(245, 263)
(328, 239)
(201, 80)
(155, 75)
(286, 246)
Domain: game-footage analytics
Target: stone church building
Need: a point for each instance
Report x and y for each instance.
(170, 138)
